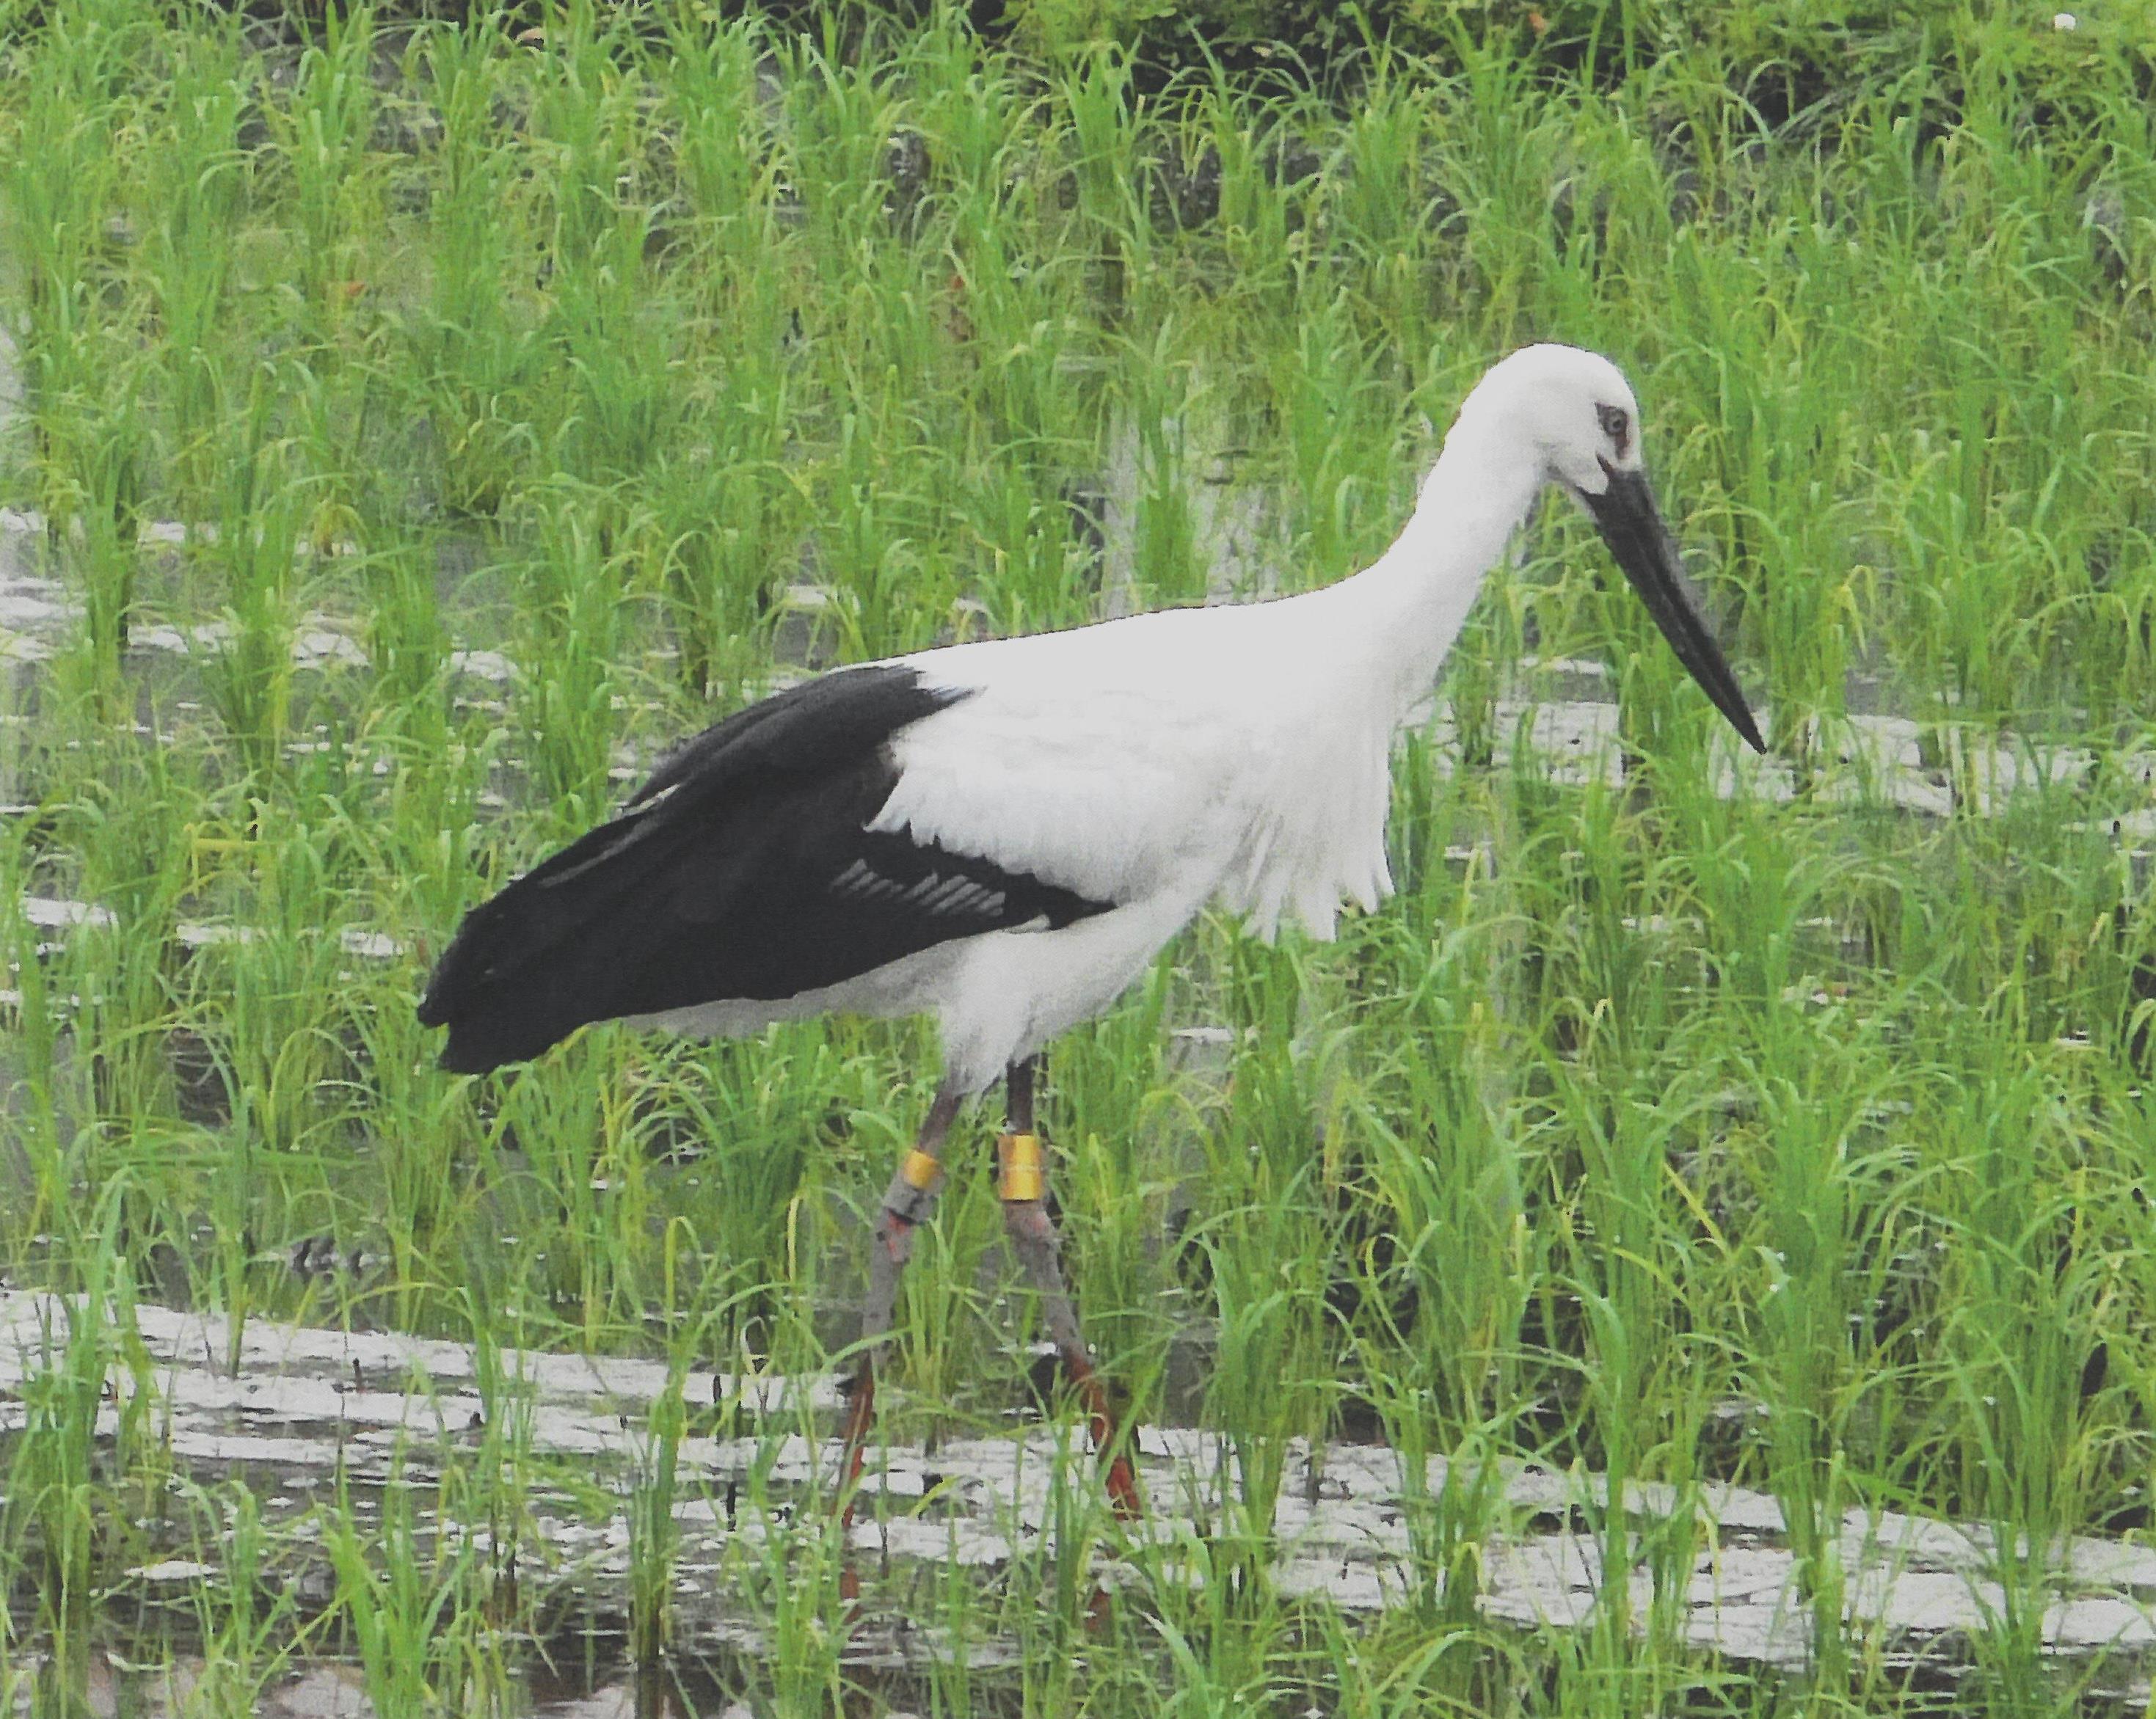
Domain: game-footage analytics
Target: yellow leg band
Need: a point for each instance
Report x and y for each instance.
(1023, 1177)
(919, 1171)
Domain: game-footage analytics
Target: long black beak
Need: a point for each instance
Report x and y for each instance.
(1631, 525)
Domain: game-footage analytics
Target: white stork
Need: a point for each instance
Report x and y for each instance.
(1004, 834)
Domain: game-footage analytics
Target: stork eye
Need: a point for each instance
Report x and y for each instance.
(1616, 425)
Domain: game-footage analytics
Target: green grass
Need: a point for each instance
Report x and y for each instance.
(591, 347)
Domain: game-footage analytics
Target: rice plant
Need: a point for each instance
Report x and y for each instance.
(410, 426)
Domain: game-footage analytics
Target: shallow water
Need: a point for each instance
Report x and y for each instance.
(306, 1413)
(585, 1676)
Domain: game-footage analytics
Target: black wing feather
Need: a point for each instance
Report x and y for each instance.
(742, 870)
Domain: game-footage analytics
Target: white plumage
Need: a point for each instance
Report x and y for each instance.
(1158, 762)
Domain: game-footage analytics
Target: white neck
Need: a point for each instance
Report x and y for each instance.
(1407, 608)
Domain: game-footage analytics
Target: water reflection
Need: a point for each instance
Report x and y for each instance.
(574, 1678)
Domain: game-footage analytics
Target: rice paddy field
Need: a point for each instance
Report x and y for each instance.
(1689, 1253)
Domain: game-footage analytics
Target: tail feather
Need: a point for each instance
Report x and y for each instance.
(528, 967)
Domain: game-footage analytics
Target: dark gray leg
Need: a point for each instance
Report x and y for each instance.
(906, 1203)
(1023, 1185)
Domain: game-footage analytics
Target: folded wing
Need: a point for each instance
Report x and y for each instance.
(745, 869)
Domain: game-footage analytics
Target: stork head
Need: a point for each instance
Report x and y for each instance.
(1575, 415)
(1571, 410)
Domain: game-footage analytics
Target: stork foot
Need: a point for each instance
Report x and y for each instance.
(852, 1453)
(860, 1417)
(1122, 1479)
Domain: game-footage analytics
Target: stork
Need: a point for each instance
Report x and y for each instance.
(1005, 834)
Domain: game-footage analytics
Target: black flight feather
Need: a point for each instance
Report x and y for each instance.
(743, 870)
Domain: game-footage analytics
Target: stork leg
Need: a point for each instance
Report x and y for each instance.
(907, 1204)
(1023, 1185)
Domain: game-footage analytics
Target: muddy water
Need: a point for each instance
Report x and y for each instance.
(583, 1677)
(296, 1412)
